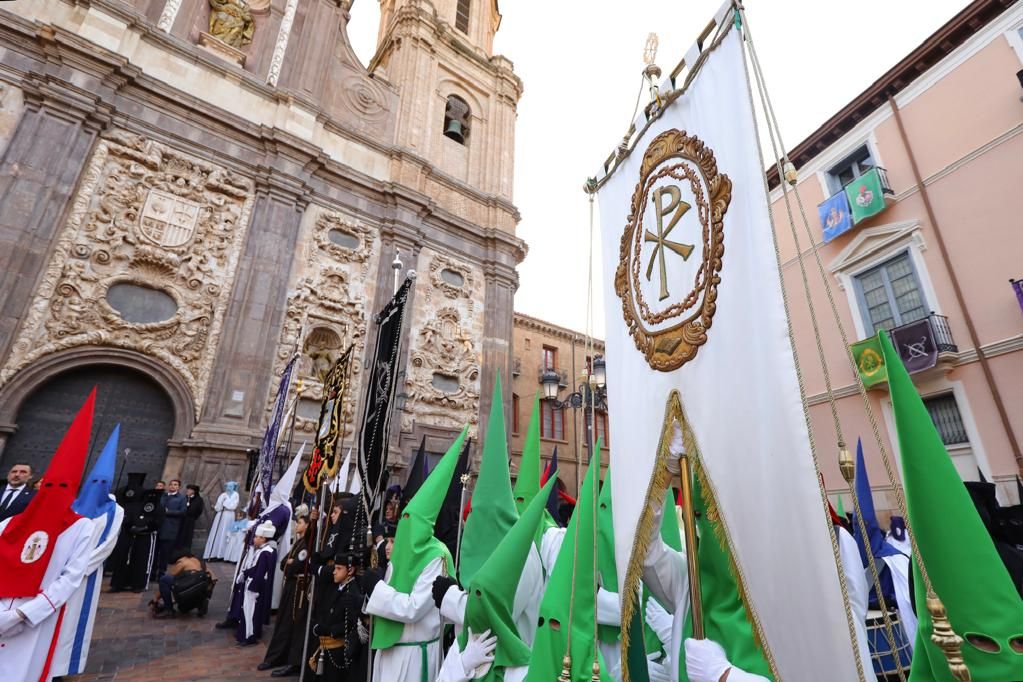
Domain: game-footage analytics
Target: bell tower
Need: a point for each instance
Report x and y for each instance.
(457, 104)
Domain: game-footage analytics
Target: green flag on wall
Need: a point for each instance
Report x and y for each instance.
(866, 195)
(870, 361)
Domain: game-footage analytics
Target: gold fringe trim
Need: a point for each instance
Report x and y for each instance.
(659, 481)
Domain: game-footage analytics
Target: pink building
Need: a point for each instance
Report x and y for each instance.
(945, 126)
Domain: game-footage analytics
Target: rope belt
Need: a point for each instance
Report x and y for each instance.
(424, 659)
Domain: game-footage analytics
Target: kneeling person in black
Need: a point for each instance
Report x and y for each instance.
(187, 584)
(337, 625)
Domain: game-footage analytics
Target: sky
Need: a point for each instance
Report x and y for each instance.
(581, 63)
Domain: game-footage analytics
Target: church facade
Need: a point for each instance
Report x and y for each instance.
(192, 191)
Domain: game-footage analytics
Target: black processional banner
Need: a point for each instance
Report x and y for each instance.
(330, 429)
(383, 373)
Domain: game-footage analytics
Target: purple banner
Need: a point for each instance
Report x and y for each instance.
(915, 343)
(1017, 286)
(268, 451)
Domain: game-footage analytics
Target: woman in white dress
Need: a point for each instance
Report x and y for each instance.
(227, 503)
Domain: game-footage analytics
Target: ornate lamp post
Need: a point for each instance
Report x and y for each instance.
(590, 394)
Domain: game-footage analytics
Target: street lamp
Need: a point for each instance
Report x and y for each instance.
(551, 383)
(591, 391)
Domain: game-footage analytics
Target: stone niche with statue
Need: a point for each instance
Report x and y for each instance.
(333, 285)
(145, 261)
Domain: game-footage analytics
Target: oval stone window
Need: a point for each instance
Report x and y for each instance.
(342, 238)
(445, 383)
(139, 304)
(452, 277)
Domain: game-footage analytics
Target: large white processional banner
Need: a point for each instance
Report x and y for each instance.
(694, 304)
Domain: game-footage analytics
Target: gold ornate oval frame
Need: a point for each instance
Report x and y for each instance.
(670, 348)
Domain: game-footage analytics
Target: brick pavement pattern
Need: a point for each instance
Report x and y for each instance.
(129, 644)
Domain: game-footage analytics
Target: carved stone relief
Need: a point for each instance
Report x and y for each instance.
(147, 215)
(328, 309)
(443, 374)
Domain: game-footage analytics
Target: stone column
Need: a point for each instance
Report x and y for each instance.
(38, 173)
(499, 304)
(235, 409)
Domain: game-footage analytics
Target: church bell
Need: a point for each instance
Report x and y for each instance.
(454, 131)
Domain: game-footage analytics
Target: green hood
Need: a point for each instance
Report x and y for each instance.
(528, 482)
(964, 567)
(549, 647)
(493, 507)
(491, 596)
(414, 543)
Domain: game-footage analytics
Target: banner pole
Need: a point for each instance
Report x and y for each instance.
(312, 540)
(692, 561)
(461, 516)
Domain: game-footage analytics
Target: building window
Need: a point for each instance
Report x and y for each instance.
(945, 414)
(515, 413)
(456, 119)
(602, 432)
(462, 15)
(550, 358)
(890, 295)
(552, 422)
(850, 168)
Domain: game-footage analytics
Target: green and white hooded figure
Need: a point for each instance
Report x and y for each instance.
(492, 647)
(965, 569)
(406, 622)
(569, 604)
(492, 517)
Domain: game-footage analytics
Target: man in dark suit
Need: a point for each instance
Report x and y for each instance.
(174, 505)
(16, 493)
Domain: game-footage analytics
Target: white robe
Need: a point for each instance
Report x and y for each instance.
(453, 671)
(24, 648)
(667, 577)
(220, 530)
(609, 612)
(80, 611)
(422, 624)
(904, 545)
(900, 570)
(236, 543)
(859, 594)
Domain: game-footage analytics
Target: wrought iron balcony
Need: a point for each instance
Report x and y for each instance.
(922, 343)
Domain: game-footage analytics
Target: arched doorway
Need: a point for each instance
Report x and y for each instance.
(124, 395)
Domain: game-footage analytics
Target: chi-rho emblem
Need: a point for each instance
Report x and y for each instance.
(671, 249)
(34, 547)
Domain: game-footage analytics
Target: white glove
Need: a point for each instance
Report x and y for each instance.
(657, 672)
(705, 660)
(676, 448)
(478, 652)
(10, 622)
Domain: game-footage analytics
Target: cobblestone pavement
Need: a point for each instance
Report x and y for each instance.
(129, 644)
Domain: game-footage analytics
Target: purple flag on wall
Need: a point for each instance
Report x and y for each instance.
(915, 344)
(1017, 286)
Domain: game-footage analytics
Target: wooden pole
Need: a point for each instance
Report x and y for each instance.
(692, 562)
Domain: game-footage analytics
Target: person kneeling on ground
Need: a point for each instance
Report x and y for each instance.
(187, 584)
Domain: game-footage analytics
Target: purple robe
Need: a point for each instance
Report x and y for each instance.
(256, 585)
(280, 517)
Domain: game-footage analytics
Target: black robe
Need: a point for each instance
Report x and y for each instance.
(136, 545)
(289, 631)
(339, 618)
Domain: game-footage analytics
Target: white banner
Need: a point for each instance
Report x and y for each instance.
(692, 288)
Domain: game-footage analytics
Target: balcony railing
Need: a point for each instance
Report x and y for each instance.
(921, 342)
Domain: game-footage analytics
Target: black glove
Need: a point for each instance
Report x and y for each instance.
(440, 588)
(370, 579)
